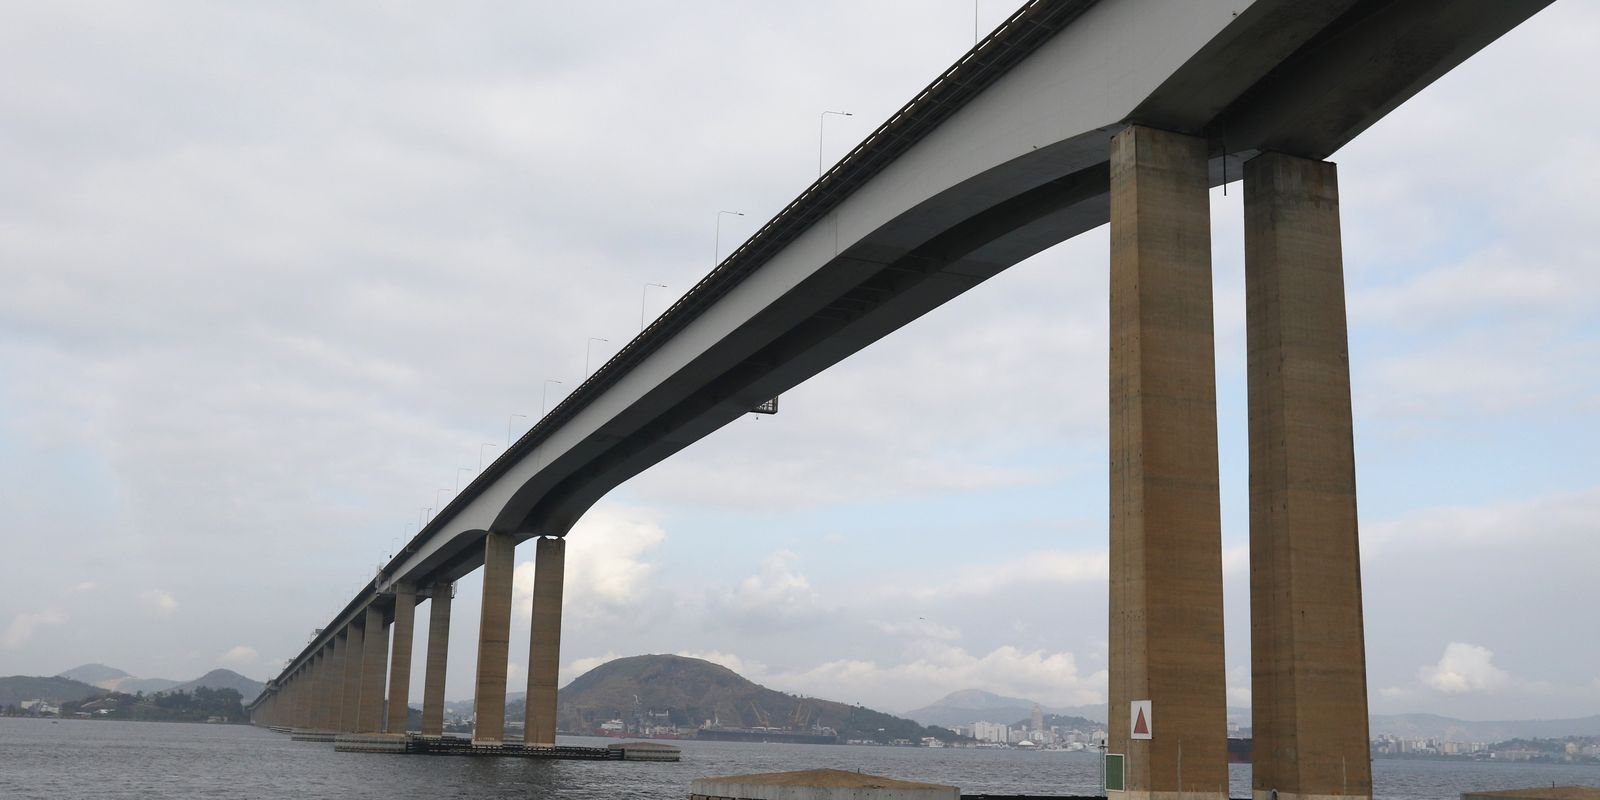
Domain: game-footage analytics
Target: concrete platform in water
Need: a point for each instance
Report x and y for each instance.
(451, 746)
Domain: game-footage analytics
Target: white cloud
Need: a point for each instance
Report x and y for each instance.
(575, 669)
(1239, 686)
(923, 629)
(240, 656)
(160, 602)
(24, 624)
(776, 598)
(936, 669)
(1045, 566)
(85, 586)
(605, 568)
(1465, 668)
(742, 666)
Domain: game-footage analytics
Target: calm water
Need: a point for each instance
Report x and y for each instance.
(97, 759)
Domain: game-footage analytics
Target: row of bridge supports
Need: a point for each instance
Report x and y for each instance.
(1166, 646)
(1166, 623)
(358, 683)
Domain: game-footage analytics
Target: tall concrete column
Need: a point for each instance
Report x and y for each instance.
(374, 663)
(544, 645)
(1166, 529)
(302, 697)
(405, 610)
(322, 719)
(350, 702)
(494, 639)
(334, 683)
(1308, 652)
(438, 660)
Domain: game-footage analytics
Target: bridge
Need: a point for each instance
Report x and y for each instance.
(1069, 115)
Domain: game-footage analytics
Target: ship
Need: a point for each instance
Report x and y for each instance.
(1240, 750)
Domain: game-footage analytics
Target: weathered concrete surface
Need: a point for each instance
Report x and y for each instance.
(370, 743)
(817, 784)
(438, 660)
(494, 639)
(350, 703)
(333, 684)
(1308, 657)
(1166, 540)
(374, 660)
(544, 644)
(647, 751)
(405, 618)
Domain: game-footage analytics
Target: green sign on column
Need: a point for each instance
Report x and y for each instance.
(1114, 775)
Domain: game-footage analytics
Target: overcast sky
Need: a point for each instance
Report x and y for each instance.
(271, 273)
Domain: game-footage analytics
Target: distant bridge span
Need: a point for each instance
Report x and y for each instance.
(1004, 155)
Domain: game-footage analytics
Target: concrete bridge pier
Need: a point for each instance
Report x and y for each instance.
(438, 659)
(405, 610)
(331, 715)
(1166, 531)
(1308, 649)
(350, 700)
(374, 660)
(327, 687)
(544, 645)
(494, 639)
(302, 697)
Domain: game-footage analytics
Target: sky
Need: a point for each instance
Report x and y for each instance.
(274, 278)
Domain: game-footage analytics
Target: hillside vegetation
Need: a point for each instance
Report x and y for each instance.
(691, 692)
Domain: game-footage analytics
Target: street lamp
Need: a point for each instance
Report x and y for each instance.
(480, 453)
(642, 293)
(588, 347)
(460, 470)
(544, 399)
(436, 503)
(716, 249)
(508, 426)
(821, 120)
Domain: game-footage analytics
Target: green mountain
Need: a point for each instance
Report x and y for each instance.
(689, 692)
(222, 679)
(15, 689)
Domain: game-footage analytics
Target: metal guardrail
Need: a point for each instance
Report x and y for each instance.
(1022, 33)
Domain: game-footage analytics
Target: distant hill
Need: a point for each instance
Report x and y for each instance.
(1433, 726)
(222, 679)
(689, 692)
(94, 674)
(116, 680)
(18, 688)
(976, 705)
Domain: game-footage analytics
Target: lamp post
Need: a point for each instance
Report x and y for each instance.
(642, 293)
(821, 121)
(508, 426)
(588, 348)
(480, 454)
(716, 248)
(544, 399)
(460, 470)
(436, 503)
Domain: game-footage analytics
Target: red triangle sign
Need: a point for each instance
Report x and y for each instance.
(1140, 727)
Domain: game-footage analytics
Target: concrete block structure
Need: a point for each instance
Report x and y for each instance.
(817, 784)
(1308, 657)
(1166, 528)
